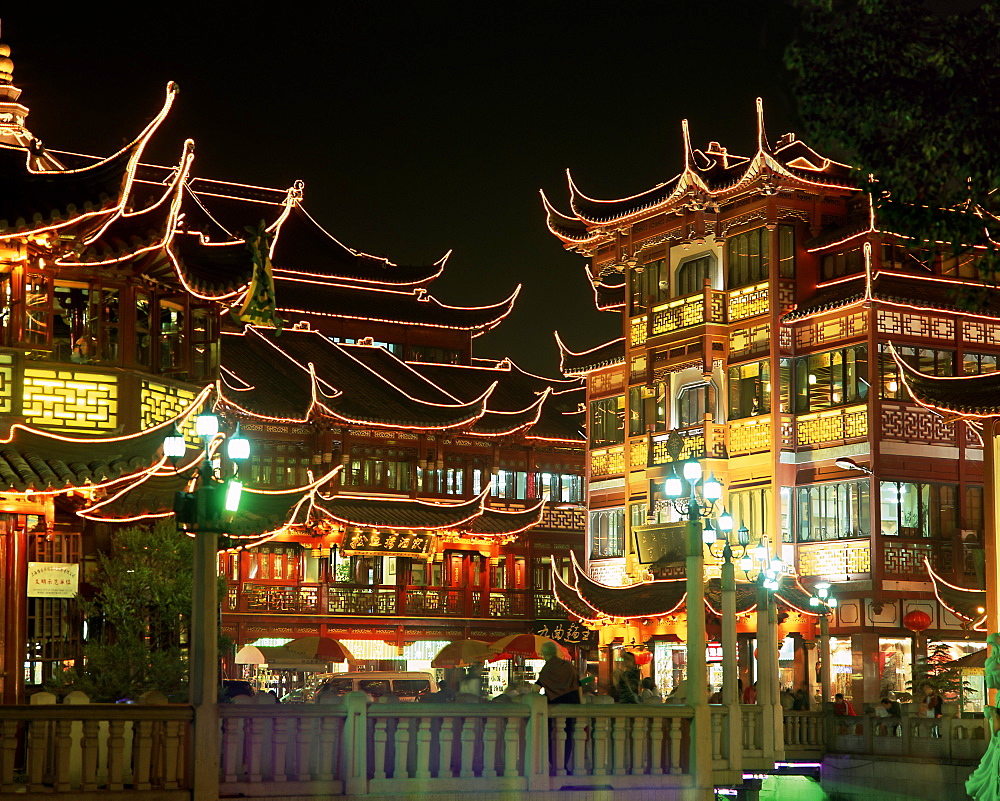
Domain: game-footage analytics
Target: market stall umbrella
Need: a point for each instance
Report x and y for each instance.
(326, 649)
(526, 645)
(462, 653)
(250, 655)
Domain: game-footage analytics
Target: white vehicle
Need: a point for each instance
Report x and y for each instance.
(405, 685)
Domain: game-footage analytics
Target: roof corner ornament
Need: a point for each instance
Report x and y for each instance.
(259, 305)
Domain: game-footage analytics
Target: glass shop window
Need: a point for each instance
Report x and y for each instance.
(692, 404)
(838, 510)
(143, 329)
(607, 421)
(105, 323)
(835, 378)
(979, 363)
(171, 336)
(846, 262)
(650, 286)
(274, 562)
(929, 361)
(910, 509)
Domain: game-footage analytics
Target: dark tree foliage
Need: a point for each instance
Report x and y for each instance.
(908, 92)
(143, 606)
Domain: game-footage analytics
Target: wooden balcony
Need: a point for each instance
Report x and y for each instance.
(391, 601)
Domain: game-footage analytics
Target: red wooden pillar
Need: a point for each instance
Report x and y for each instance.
(14, 565)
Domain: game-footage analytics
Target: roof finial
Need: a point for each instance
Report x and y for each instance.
(762, 145)
(686, 136)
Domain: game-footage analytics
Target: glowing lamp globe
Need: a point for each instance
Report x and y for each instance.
(692, 470)
(712, 488)
(238, 446)
(173, 444)
(917, 621)
(672, 486)
(725, 521)
(207, 425)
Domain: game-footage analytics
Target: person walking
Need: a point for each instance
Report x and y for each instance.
(629, 677)
(561, 682)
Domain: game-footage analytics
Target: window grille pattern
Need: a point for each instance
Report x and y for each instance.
(832, 426)
(748, 302)
(69, 400)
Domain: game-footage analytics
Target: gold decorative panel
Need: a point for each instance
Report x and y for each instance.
(907, 558)
(161, 402)
(678, 314)
(916, 425)
(748, 302)
(608, 461)
(975, 332)
(832, 425)
(694, 446)
(746, 341)
(638, 452)
(915, 325)
(6, 383)
(832, 330)
(637, 331)
(563, 519)
(606, 382)
(70, 400)
(749, 436)
(835, 559)
(638, 369)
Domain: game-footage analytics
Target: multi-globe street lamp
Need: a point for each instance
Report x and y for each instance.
(203, 510)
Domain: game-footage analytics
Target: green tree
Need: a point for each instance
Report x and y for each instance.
(143, 610)
(907, 92)
(935, 669)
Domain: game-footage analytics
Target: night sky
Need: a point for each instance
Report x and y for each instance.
(420, 128)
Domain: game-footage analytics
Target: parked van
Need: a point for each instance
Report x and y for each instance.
(405, 685)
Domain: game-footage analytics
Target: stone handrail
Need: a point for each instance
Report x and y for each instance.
(908, 736)
(70, 748)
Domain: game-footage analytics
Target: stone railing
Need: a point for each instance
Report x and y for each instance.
(942, 739)
(73, 748)
(359, 748)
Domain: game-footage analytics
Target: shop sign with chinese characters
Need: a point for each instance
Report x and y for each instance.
(53, 580)
(566, 632)
(387, 543)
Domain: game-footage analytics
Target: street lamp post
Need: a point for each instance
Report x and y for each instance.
(824, 602)
(698, 508)
(204, 511)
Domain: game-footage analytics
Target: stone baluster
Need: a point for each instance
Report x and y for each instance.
(536, 747)
(447, 746)
(580, 747)
(422, 733)
(171, 752)
(639, 744)
(511, 738)
(38, 744)
(381, 738)
(656, 747)
(303, 748)
(89, 749)
(63, 748)
(675, 746)
(355, 744)
(142, 752)
(8, 754)
(255, 756)
(232, 739)
(279, 768)
(468, 747)
(116, 754)
(490, 747)
(402, 742)
(557, 744)
(618, 737)
(716, 736)
(328, 755)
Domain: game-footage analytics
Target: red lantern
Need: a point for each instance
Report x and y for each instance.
(917, 621)
(643, 658)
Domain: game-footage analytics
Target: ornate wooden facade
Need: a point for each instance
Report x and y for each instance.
(759, 300)
(399, 488)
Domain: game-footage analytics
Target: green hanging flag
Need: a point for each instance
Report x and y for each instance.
(258, 307)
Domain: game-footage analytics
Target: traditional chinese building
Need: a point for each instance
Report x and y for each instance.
(399, 489)
(759, 296)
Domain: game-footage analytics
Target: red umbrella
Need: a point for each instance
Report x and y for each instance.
(527, 645)
(462, 653)
(325, 649)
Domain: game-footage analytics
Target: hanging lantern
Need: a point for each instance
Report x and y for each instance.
(917, 621)
(642, 658)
